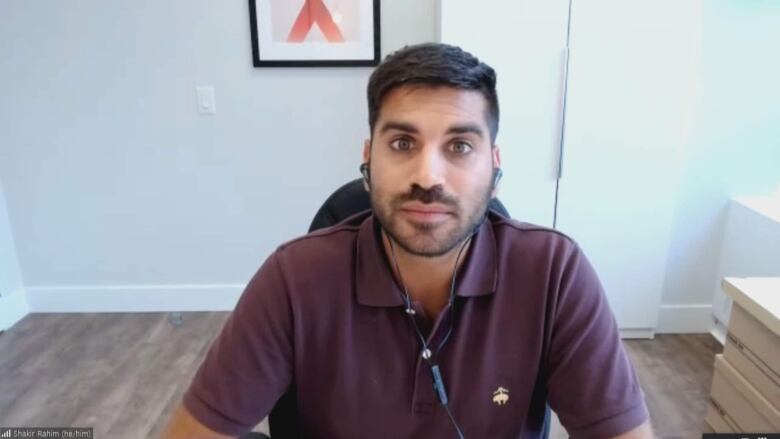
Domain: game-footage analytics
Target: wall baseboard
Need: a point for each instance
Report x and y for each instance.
(134, 298)
(685, 319)
(13, 308)
(636, 333)
(679, 319)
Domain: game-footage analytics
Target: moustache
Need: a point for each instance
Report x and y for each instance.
(428, 196)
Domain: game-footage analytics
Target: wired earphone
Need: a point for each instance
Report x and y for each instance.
(426, 353)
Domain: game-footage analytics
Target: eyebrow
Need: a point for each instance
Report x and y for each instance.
(467, 128)
(455, 129)
(399, 126)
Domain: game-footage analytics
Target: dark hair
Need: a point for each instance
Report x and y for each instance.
(433, 64)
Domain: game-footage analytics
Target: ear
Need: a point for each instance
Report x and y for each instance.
(366, 150)
(496, 164)
(366, 159)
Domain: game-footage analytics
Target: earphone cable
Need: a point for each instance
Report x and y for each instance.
(439, 386)
(454, 424)
(406, 298)
(452, 297)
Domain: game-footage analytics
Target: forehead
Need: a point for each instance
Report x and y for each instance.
(424, 104)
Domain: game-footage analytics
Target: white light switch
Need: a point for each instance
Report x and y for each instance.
(206, 102)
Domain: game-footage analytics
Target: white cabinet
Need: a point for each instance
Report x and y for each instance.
(630, 90)
(524, 41)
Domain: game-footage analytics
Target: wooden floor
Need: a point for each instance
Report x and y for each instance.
(123, 373)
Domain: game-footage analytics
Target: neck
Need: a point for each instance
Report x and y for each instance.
(427, 279)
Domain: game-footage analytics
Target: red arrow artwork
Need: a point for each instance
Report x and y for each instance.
(315, 11)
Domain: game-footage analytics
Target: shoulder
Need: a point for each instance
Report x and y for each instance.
(531, 239)
(327, 246)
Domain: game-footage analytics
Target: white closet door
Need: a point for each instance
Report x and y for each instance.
(631, 92)
(524, 41)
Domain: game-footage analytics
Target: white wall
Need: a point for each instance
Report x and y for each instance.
(116, 188)
(10, 277)
(734, 149)
(749, 248)
(120, 193)
(13, 300)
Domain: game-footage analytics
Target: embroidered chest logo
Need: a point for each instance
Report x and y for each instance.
(501, 396)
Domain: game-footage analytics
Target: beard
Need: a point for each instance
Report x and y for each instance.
(429, 239)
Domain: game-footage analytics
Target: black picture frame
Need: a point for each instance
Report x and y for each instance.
(258, 61)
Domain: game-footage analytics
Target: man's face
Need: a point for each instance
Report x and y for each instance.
(431, 166)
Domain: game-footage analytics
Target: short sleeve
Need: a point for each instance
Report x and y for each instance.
(249, 365)
(591, 382)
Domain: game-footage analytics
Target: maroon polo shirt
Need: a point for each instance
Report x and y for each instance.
(532, 325)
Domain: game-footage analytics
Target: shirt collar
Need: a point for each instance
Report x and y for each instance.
(376, 285)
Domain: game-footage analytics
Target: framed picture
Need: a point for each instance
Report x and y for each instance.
(321, 33)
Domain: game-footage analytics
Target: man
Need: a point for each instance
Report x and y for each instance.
(431, 317)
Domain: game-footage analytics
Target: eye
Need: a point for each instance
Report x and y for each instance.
(402, 144)
(460, 147)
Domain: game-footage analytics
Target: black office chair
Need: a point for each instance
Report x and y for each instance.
(346, 201)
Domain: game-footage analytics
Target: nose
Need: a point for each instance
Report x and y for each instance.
(429, 168)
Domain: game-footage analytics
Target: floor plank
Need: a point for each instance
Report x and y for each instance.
(123, 374)
(676, 373)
